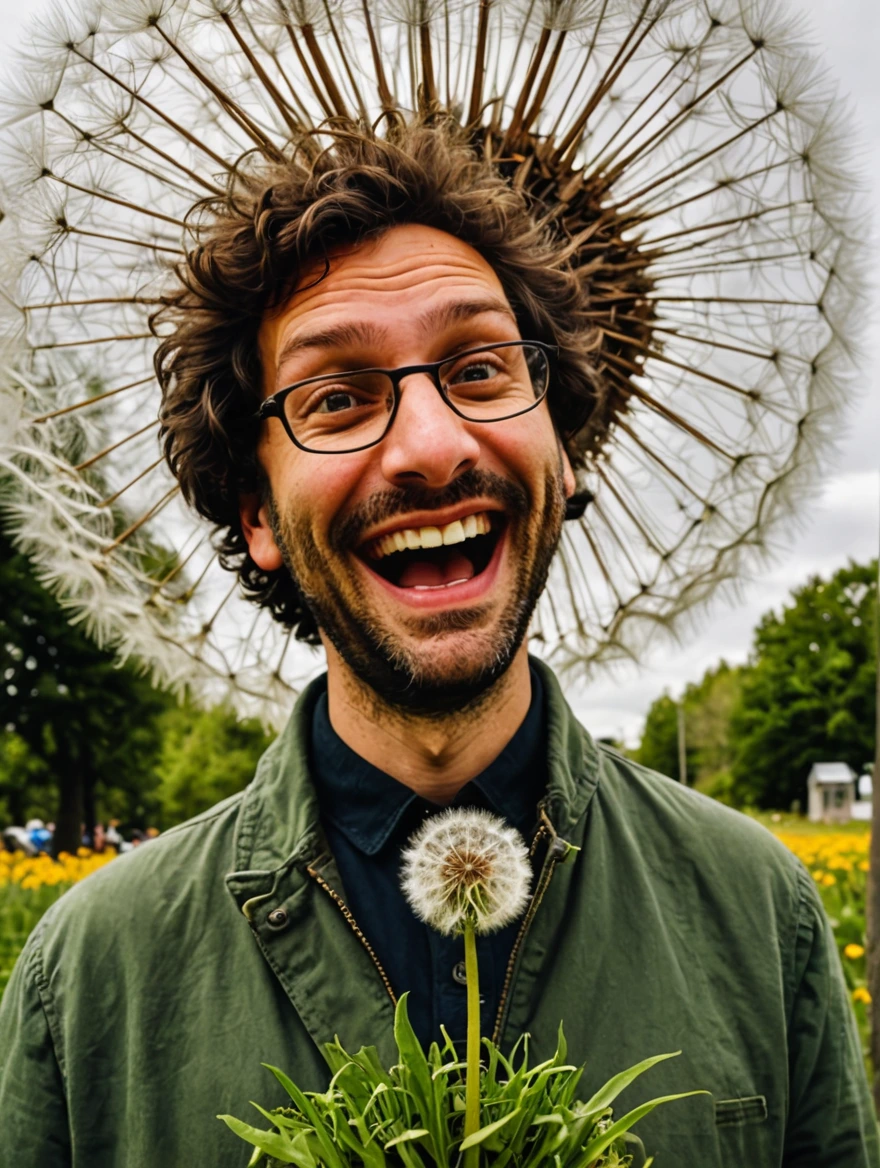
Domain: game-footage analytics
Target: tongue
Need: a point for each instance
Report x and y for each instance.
(424, 574)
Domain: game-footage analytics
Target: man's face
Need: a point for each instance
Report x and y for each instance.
(426, 627)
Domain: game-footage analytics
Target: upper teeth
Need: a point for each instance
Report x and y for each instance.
(409, 538)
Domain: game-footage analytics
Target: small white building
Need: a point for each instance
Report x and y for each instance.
(831, 788)
(862, 808)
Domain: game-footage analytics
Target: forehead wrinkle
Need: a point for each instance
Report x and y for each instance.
(367, 332)
(420, 264)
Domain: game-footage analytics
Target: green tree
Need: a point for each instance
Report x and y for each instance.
(84, 726)
(809, 694)
(206, 755)
(709, 707)
(659, 746)
(26, 782)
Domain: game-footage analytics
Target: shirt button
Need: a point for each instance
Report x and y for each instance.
(459, 973)
(277, 918)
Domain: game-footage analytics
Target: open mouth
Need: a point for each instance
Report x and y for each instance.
(425, 558)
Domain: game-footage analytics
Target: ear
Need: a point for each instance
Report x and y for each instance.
(569, 482)
(576, 501)
(254, 516)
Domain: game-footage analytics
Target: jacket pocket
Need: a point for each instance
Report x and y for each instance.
(736, 1112)
(744, 1137)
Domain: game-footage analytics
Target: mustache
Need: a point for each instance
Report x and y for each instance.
(387, 504)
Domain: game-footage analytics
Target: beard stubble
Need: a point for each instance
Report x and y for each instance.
(379, 658)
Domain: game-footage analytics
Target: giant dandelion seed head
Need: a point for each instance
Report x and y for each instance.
(692, 157)
(466, 866)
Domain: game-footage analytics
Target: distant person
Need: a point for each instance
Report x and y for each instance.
(39, 835)
(17, 839)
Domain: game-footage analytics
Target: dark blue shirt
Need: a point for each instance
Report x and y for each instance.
(369, 817)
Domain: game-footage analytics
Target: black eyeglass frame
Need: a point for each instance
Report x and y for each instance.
(273, 407)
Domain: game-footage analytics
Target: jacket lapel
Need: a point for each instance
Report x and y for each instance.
(287, 887)
(573, 778)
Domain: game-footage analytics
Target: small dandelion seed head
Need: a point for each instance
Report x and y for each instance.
(466, 866)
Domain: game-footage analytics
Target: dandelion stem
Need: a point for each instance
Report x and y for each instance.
(472, 1083)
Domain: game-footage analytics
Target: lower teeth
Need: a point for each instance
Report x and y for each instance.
(436, 587)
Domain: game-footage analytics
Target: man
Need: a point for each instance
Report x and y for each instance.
(377, 363)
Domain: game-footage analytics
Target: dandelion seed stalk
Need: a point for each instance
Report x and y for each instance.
(472, 1083)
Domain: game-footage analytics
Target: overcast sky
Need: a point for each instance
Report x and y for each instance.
(844, 522)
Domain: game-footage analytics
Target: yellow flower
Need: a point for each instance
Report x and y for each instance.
(854, 952)
(35, 872)
(864, 865)
(861, 995)
(828, 880)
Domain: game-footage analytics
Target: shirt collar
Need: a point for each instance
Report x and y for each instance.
(278, 829)
(369, 807)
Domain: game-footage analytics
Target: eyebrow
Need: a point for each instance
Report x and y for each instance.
(460, 311)
(365, 333)
(351, 333)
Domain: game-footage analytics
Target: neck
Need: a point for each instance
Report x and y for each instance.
(433, 757)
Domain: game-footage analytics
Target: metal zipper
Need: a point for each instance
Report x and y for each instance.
(347, 913)
(557, 851)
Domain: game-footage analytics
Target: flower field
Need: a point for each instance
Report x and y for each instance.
(28, 887)
(837, 860)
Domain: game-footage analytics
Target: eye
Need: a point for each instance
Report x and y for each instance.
(480, 370)
(337, 401)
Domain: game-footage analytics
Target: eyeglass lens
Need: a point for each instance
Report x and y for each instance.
(345, 411)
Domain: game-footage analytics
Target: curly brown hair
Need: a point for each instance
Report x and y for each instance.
(248, 247)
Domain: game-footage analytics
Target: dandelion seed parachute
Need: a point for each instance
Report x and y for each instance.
(692, 151)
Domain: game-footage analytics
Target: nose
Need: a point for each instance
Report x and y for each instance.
(428, 444)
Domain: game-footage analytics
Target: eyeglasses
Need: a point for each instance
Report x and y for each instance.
(339, 413)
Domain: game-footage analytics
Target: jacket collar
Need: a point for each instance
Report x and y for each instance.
(279, 825)
(572, 757)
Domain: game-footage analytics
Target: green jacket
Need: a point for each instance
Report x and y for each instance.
(147, 998)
